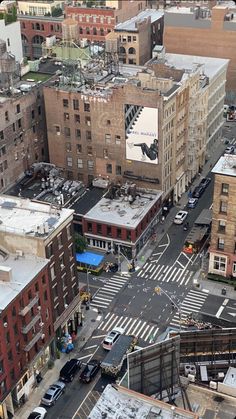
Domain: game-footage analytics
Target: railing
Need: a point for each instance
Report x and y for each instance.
(29, 326)
(31, 304)
(33, 341)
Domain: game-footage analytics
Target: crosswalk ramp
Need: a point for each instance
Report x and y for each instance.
(104, 296)
(132, 326)
(193, 302)
(164, 273)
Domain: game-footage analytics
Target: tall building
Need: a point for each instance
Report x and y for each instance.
(10, 33)
(26, 327)
(135, 122)
(212, 34)
(223, 243)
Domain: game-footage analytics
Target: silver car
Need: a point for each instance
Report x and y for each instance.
(53, 393)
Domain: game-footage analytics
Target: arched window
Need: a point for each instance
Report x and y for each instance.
(95, 31)
(81, 30)
(87, 31)
(24, 39)
(132, 50)
(102, 32)
(37, 39)
(122, 50)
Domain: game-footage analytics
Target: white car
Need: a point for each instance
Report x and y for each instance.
(229, 149)
(112, 338)
(180, 217)
(38, 413)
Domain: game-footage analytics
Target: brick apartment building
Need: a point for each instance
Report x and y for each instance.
(26, 327)
(22, 125)
(212, 34)
(223, 243)
(108, 130)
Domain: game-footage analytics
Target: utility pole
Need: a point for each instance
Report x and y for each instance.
(159, 291)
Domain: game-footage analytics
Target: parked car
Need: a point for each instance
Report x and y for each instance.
(229, 149)
(90, 370)
(53, 393)
(205, 182)
(38, 413)
(198, 191)
(180, 217)
(112, 338)
(69, 370)
(192, 202)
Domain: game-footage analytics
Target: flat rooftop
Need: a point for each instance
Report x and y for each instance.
(24, 217)
(23, 271)
(120, 212)
(211, 66)
(117, 402)
(130, 25)
(226, 165)
(90, 198)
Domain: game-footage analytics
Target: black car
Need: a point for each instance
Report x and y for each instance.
(69, 370)
(198, 191)
(205, 182)
(90, 371)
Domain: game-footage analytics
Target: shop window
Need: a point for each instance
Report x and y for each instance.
(219, 263)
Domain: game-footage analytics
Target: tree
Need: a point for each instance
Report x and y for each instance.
(80, 243)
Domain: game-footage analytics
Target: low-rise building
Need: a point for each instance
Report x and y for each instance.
(222, 248)
(26, 327)
(123, 220)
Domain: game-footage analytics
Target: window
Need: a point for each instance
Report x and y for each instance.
(3, 387)
(221, 226)
(69, 231)
(43, 279)
(19, 123)
(65, 103)
(90, 227)
(105, 153)
(67, 131)
(18, 108)
(75, 104)
(13, 312)
(129, 38)
(223, 207)
(15, 328)
(88, 121)
(36, 287)
(221, 243)
(66, 116)
(68, 147)
(9, 356)
(118, 170)
(219, 263)
(94, 31)
(108, 122)
(90, 151)
(78, 133)
(109, 231)
(62, 262)
(109, 168)
(34, 128)
(59, 240)
(78, 148)
(90, 164)
(234, 268)
(57, 129)
(119, 233)
(1, 135)
(224, 188)
(80, 163)
(86, 107)
(32, 114)
(45, 295)
(39, 110)
(117, 139)
(49, 251)
(52, 271)
(8, 42)
(7, 334)
(128, 235)
(1, 367)
(88, 135)
(134, 39)
(99, 228)
(108, 138)
(77, 119)
(6, 116)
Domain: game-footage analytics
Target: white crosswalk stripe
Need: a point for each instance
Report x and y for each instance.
(104, 296)
(193, 302)
(163, 273)
(132, 326)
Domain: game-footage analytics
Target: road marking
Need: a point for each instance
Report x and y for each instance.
(98, 337)
(136, 327)
(99, 305)
(182, 266)
(144, 332)
(110, 319)
(131, 327)
(89, 347)
(219, 312)
(141, 328)
(102, 298)
(119, 321)
(225, 302)
(86, 356)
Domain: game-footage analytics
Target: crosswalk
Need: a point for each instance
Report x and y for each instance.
(104, 296)
(193, 302)
(164, 273)
(132, 326)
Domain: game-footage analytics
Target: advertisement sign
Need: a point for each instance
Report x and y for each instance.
(141, 124)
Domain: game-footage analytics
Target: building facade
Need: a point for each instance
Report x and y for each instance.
(10, 33)
(26, 327)
(212, 34)
(38, 8)
(223, 243)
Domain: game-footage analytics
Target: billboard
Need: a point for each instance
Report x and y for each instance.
(141, 129)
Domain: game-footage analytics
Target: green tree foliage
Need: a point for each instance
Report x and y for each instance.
(80, 243)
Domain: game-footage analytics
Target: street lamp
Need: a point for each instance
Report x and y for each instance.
(159, 291)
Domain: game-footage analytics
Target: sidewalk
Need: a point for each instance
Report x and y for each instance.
(90, 323)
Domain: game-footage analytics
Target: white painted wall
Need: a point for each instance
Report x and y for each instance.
(13, 33)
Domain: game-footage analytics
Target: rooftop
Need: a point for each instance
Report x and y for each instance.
(25, 217)
(131, 24)
(117, 402)
(230, 378)
(121, 212)
(23, 271)
(90, 198)
(226, 165)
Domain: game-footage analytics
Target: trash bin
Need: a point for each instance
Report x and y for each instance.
(223, 291)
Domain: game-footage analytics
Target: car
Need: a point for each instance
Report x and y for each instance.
(192, 202)
(90, 370)
(53, 393)
(180, 217)
(229, 149)
(205, 182)
(69, 370)
(198, 191)
(38, 413)
(112, 338)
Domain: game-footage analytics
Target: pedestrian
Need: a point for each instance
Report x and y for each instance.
(162, 219)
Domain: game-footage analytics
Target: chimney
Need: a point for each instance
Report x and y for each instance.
(5, 274)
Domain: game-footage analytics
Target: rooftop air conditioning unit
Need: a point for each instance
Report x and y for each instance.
(191, 378)
(213, 385)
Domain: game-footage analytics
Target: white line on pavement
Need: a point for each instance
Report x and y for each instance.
(219, 312)
(98, 337)
(89, 347)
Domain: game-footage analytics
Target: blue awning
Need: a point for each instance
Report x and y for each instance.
(89, 258)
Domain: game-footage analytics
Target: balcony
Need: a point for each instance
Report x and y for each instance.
(31, 304)
(33, 341)
(29, 326)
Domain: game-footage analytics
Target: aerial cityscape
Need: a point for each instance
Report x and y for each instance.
(118, 209)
